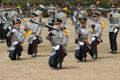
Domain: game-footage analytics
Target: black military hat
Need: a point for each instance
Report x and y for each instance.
(15, 21)
(97, 13)
(113, 5)
(57, 20)
(82, 19)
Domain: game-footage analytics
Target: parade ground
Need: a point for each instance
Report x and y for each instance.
(106, 67)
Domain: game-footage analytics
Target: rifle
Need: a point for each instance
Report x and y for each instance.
(43, 7)
(74, 8)
(43, 24)
(5, 9)
(27, 30)
(106, 9)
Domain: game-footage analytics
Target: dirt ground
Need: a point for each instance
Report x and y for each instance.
(106, 67)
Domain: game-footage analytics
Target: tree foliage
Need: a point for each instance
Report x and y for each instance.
(104, 3)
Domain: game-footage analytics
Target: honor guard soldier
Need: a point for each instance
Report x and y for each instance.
(96, 31)
(114, 20)
(16, 39)
(82, 44)
(58, 40)
(8, 18)
(35, 37)
(2, 23)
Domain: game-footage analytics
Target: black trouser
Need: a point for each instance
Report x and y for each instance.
(113, 42)
(2, 32)
(60, 54)
(82, 52)
(94, 50)
(32, 48)
(84, 49)
(18, 49)
(8, 41)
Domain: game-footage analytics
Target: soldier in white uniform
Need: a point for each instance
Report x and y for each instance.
(2, 23)
(114, 20)
(16, 35)
(35, 37)
(81, 40)
(7, 17)
(96, 32)
(57, 37)
(76, 16)
(10, 16)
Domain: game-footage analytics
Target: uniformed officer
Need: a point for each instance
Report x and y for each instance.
(114, 20)
(16, 36)
(81, 40)
(96, 31)
(76, 15)
(58, 37)
(35, 37)
(7, 17)
(2, 23)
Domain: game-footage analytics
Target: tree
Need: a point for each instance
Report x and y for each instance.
(105, 3)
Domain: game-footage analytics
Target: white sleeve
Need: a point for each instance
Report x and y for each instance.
(38, 31)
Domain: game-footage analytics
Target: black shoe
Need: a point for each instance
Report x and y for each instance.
(34, 55)
(18, 57)
(59, 66)
(84, 59)
(94, 56)
(115, 52)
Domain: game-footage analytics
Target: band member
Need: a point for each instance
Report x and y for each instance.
(35, 37)
(16, 38)
(114, 20)
(58, 40)
(81, 40)
(96, 31)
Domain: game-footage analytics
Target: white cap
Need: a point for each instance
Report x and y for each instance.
(38, 12)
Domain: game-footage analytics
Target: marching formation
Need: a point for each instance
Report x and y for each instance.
(86, 23)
